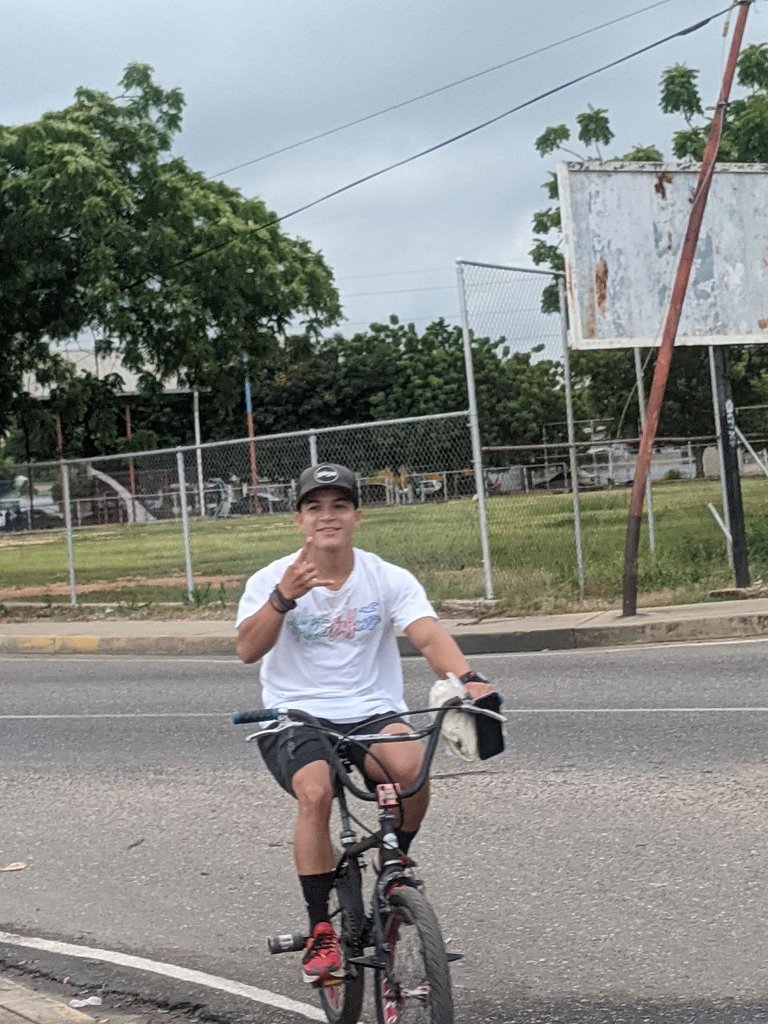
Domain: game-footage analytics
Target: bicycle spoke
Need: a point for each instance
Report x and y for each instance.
(414, 987)
(407, 990)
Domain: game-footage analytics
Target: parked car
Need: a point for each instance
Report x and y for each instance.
(45, 517)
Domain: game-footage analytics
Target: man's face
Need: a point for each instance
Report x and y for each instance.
(329, 518)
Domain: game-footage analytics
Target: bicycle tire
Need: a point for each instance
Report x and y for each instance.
(343, 1003)
(425, 997)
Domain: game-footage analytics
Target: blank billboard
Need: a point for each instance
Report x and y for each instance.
(623, 228)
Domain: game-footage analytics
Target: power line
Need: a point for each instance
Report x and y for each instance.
(400, 291)
(442, 88)
(447, 142)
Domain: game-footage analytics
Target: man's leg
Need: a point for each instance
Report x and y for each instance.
(312, 849)
(314, 859)
(401, 762)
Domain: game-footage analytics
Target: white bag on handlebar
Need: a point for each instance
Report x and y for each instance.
(458, 729)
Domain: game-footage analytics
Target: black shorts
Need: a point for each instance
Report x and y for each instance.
(296, 746)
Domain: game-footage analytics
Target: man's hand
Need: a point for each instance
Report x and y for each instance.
(301, 576)
(475, 690)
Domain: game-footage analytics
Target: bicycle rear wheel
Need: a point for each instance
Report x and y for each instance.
(342, 1003)
(415, 985)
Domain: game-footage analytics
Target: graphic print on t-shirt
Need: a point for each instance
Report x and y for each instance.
(342, 625)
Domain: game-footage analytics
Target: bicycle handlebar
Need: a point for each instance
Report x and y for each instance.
(259, 715)
(432, 731)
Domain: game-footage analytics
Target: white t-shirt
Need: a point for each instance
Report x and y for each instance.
(337, 656)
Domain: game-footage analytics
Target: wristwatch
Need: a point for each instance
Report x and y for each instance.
(472, 677)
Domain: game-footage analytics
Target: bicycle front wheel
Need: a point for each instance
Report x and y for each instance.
(343, 1002)
(414, 986)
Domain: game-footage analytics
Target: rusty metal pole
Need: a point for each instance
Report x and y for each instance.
(679, 288)
(251, 442)
(131, 470)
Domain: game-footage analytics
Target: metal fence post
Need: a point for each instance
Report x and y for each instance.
(185, 522)
(474, 429)
(313, 459)
(571, 437)
(649, 489)
(68, 525)
(720, 455)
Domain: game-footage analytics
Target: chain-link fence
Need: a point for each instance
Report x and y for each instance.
(189, 523)
(30, 501)
(557, 512)
(529, 486)
(183, 521)
(507, 305)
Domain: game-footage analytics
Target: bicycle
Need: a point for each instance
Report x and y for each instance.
(409, 961)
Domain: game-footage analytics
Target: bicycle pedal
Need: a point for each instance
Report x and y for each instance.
(367, 961)
(329, 982)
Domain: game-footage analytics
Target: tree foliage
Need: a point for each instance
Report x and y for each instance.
(101, 227)
(390, 371)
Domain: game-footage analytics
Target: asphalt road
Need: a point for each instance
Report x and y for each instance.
(611, 866)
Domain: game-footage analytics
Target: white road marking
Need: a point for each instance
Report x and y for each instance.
(235, 988)
(507, 711)
(126, 714)
(628, 711)
(623, 648)
(223, 659)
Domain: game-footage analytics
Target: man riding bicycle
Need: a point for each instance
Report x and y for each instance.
(324, 622)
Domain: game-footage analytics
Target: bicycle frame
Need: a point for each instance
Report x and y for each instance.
(382, 838)
(390, 897)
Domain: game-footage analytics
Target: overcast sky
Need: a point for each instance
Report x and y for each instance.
(261, 75)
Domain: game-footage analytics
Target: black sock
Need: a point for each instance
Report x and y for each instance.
(317, 889)
(404, 839)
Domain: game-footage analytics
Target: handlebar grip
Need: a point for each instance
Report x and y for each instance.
(259, 715)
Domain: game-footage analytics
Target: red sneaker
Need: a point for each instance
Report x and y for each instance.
(322, 959)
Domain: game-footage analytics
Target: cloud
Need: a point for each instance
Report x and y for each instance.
(257, 77)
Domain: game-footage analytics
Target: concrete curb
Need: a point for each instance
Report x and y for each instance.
(732, 627)
(615, 635)
(482, 638)
(25, 1006)
(171, 646)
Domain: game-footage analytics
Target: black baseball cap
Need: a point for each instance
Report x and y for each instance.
(327, 474)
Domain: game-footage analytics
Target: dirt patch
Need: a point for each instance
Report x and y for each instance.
(111, 586)
(18, 542)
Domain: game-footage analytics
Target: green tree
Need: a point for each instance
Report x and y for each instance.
(393, 370)
(745, 132)
(101, 227)
(408, 373)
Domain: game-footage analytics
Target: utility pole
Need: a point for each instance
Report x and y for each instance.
(672, 321)
(726, 412)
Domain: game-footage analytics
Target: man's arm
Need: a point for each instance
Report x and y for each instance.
(258, 634)
(442, 652)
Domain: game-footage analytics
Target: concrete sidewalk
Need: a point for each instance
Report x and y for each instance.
(175, 637)
(23, 1004)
